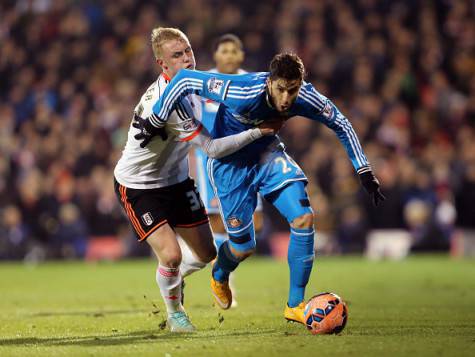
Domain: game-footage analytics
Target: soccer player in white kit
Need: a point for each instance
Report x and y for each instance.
(153, 185)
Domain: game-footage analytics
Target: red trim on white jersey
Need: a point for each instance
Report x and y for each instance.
(166, 76)
(194, 134)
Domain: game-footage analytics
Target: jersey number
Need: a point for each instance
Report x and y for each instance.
(195, 202)
(285, 168)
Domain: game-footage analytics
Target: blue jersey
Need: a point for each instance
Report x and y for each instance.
(245, 104)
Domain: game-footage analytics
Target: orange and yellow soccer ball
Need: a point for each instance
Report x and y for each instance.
(325, 313)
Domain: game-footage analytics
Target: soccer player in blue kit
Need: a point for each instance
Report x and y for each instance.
(262, 166)
(228, 57)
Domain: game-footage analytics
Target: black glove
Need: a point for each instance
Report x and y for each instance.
(147, 131)
(371, 185)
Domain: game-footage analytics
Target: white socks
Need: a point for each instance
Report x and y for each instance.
(169, 281)
(189, 263)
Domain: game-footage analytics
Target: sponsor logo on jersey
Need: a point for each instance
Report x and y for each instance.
(234, 222)
(245, 119)
(327, 110)
(215, 86)
(147, 219)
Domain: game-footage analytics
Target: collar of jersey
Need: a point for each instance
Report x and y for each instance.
(166, 77)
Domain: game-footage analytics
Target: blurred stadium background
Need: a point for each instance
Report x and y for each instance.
(402, 71)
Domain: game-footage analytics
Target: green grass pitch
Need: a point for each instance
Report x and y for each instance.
(422, 306)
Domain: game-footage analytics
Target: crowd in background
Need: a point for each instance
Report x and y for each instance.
(403, 72)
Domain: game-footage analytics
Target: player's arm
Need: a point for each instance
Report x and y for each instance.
(236, 91)
(212, 86)
(186, 128)
(315, 106)
(221, 147)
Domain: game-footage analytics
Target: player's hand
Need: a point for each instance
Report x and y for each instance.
(147, 131)
(271, 127)
(371, 185)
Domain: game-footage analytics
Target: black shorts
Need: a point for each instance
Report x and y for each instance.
(178, 205)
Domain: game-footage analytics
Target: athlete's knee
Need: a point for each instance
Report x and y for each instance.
(208, 255)
(242, 245)
(304, 221)
(163, 244)
(171, 258)
(242, 254)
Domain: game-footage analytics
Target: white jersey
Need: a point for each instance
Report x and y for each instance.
(164, 163)
(161, 163)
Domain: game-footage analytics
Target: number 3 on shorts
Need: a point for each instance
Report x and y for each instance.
(195, 201)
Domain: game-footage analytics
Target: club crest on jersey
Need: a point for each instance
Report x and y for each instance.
(190, 125)
(327, 110)
(147, 219)
(215, 86)
(234, 222)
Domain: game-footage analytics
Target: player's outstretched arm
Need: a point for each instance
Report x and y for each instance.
(345, 132)
(317, 107)
(214, 86)
(207, 85)
(221, 147)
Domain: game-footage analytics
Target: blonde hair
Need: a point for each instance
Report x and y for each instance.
(160, 35)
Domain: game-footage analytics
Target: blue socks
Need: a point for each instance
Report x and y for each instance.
(300, 257)
(225, 263)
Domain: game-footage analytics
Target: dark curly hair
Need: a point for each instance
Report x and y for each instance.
(288, 66)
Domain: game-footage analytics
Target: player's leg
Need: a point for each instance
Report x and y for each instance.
(211, 204)
(241, 244)
(237, 199)
(293, 203)
(198, 248)
(220, 236)
(284, 186)
(148, 214)
(209, 200)
(230, 254)
(219, 232)
(192, 224)
(165, 247)
(258, 217)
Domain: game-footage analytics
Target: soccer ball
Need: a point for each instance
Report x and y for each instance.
(325, 313)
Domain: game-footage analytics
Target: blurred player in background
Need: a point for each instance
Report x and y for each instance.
(228, 56)
(153, 185)
(264, 166)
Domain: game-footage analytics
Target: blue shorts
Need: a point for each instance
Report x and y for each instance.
(209, 110)
(237, 184)
(204, 185)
